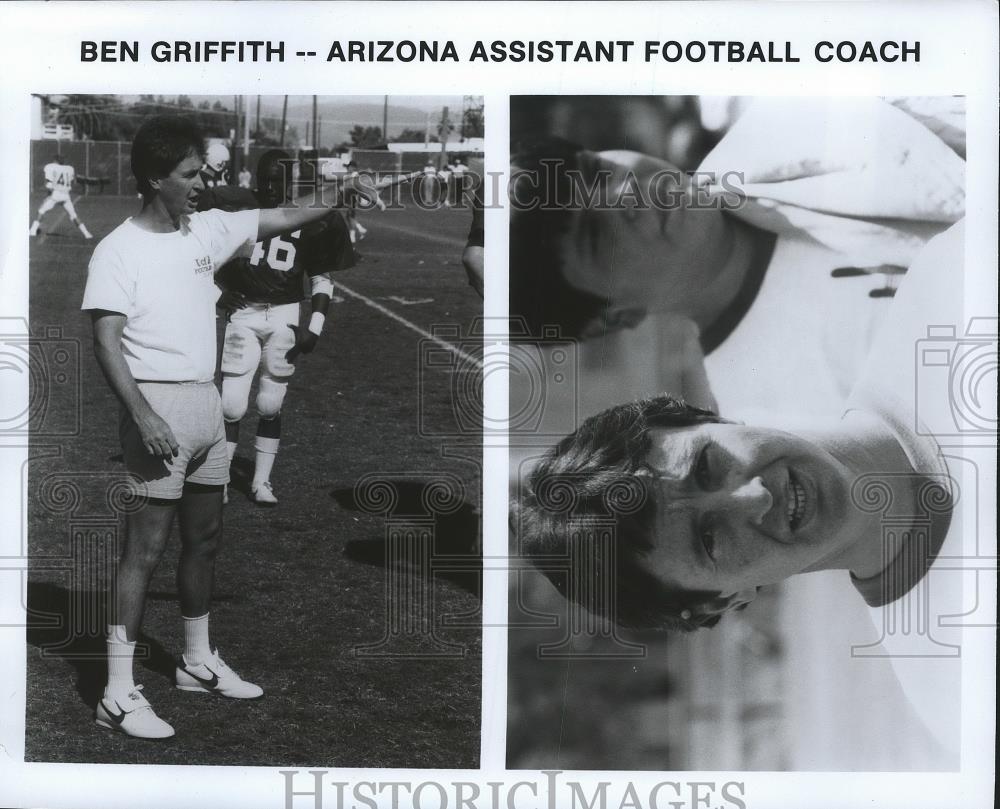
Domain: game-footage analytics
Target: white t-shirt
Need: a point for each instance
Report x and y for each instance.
(858, 175)
(909, 384)
(930, 298)
(59, 178)
(164, 285)
(800, 347)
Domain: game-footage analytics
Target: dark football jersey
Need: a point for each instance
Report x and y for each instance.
(277, 269)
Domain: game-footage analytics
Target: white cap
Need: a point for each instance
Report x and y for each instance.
(217, 157)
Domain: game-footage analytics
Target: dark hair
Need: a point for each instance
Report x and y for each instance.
(539, 291)
(162, 142)
(592, 481)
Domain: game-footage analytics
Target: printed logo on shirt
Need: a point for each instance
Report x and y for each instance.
(203, 265)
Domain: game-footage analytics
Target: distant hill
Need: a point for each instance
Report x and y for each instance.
(339, 118)
(340, 115)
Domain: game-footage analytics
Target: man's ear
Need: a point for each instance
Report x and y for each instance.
(720, 605)
(154, 184)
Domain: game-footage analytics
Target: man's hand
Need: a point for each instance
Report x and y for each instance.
(305, 342)
(230, 302)
(157, 437)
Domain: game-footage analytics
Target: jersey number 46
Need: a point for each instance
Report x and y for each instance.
(280, 254)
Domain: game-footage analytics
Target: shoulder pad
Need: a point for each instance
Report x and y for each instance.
(227, 198)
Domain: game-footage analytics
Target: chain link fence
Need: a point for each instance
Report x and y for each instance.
(103, 167)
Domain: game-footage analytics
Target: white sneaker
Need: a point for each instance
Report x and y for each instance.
(263, 494)
(215, 677)
(132, 715)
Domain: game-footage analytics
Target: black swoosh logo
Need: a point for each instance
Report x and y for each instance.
(208, 682)
(119, 718)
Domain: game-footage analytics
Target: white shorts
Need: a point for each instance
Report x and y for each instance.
(193, 410)
(260, 335)
(54, 199)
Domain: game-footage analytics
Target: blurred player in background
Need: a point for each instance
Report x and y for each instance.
(429, 184)
(59, 181)
(352, 200)
(445, 180)
(244, 177)
(216, 162)
(458, 171)
(261, 294)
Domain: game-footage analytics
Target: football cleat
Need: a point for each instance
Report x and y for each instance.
(133, 716)
(215, 677)
(263, 494)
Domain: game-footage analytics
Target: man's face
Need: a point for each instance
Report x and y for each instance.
(740, 507)
(179, 190)
(275, 187)
(659, 257)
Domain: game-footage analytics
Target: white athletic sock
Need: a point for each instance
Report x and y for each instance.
(120, 654)
(267, 450)
(34, 228)
(83, 230)
(197, 649)
(230, 450)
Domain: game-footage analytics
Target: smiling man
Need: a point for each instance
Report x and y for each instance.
(151, 296)
(656, 514)
(705, 511)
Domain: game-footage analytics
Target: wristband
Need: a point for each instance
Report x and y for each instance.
(316, 323)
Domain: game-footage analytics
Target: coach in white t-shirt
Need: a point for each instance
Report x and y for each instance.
(151, 295)
(710, 511)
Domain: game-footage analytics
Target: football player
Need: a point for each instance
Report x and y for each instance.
(352, 200)
(261, 294)
(213, 173)
(59, 181)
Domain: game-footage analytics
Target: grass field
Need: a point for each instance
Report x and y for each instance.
(299, 587)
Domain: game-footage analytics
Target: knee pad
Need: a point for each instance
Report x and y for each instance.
(235, 395)
(270, 395)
